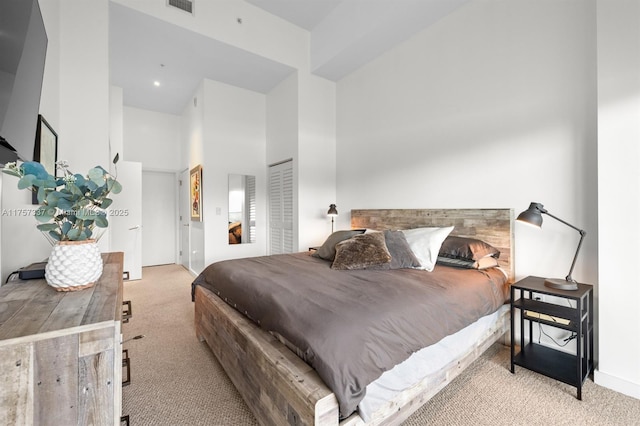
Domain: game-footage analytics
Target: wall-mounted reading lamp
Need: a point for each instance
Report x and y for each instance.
(333, 213)
(533, 216)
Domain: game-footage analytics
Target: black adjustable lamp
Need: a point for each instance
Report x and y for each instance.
(533, 216)
(333, 213)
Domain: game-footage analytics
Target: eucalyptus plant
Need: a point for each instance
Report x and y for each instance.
(71, 206)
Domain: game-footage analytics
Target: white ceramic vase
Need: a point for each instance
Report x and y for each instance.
(73, 265)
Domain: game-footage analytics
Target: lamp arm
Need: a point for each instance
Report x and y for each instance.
(569, 277)
(562, 221)
(582, 235)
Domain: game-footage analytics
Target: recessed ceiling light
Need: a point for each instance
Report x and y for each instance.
(156, 83)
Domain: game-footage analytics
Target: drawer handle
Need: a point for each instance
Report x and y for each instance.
(126, 312)
(126, 364)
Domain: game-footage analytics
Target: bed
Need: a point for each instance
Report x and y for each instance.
(281, 388)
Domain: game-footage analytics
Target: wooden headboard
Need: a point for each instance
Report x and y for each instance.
(494, 226)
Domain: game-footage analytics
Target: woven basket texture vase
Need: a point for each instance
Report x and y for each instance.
(73, 265)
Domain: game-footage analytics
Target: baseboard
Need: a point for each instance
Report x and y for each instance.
(617, 384)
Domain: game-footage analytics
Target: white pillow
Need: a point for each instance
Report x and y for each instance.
(425, 244)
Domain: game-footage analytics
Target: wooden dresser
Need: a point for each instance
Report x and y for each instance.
(60, 352)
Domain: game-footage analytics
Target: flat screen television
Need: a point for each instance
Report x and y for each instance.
(23, 47)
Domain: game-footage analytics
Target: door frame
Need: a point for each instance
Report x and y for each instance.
(182, 185)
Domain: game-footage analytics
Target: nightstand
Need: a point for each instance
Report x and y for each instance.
(576, 316)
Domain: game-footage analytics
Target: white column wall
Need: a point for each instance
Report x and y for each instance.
(619, 194)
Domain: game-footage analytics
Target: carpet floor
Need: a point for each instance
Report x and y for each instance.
(176, 380)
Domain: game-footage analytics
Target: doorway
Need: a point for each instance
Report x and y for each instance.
(159, 234)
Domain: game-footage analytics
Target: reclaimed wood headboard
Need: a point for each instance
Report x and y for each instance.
(494, 226)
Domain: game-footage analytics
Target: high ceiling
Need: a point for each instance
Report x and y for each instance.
(303, 13)
(345, 34)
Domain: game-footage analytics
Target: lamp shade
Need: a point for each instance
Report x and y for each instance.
(332, 210)
(532, 215)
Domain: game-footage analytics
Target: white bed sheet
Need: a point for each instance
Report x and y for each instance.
(423, 363)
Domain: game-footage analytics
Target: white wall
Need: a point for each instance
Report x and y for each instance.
(75, 101)
(316, 159)
(301, 125)
(116, 121)
(234, 142)
(152, 138)
(619, 189)
(191, 156)
(282, 131)
(489, 107)
(225, 132)
(282, 121)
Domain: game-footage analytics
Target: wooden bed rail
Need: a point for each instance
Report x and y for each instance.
(279, 387)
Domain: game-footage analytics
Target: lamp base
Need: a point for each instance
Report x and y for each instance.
(560, 284)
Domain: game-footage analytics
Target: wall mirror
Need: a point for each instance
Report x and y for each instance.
(242, 209)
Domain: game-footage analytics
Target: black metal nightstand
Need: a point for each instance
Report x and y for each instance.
(559, 365)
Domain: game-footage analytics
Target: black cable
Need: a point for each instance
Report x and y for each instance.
(10, 275)
(566, 341)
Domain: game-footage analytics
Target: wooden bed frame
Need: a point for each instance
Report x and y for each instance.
(281, 389)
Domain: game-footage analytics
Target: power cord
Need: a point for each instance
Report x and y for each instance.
(566, 341)
(11, 275)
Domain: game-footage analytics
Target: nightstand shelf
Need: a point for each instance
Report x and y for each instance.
(551, 363)
(556, 311)
(572, 369)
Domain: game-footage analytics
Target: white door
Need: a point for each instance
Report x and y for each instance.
(158, 218)
(125, 218)
(184, 220)
(281, 208)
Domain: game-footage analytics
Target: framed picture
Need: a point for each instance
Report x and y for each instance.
(195, 191)
(46, 148)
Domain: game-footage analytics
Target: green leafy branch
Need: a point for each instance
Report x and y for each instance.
(71, 206)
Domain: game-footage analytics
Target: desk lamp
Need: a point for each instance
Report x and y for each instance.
(533, 216)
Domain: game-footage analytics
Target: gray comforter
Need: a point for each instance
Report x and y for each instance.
(351, 326)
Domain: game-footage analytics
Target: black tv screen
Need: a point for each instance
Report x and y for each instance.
(23, 47)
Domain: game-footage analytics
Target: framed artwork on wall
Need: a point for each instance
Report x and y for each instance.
(45, 150)
(195, 191)
(46, 147)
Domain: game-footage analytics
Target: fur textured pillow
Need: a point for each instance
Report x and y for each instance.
(361, 252)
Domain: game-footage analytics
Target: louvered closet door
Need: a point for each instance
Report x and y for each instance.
(250, 211)
(281, 208)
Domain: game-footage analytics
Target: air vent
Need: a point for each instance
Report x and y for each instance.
(186, 5)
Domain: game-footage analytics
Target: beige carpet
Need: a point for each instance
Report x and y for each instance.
(175, 380)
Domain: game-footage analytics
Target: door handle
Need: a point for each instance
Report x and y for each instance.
(134, 228)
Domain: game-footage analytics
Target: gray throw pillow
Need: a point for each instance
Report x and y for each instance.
(328, 249)
(401, 254)
(467, 248)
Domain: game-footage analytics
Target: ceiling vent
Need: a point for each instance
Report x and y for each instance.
(186, 5)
